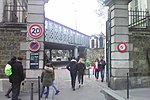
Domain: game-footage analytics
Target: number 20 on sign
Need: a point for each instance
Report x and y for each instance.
(35, 30)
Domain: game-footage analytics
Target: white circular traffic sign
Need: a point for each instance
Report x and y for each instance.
(122, 47)
(35, 30)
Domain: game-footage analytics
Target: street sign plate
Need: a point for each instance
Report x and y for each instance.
(34, 60)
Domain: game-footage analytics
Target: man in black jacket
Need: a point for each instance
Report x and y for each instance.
(81, 68)
(72, 67)
(11, 62)
(16, 78)
(102, 68)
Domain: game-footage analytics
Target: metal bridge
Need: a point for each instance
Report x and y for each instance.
(58, 36)
(61, 37)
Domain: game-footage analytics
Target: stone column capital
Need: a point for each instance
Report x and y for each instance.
(112, 2)
(46, 1)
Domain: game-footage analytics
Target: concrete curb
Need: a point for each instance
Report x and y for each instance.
(109, 92)
(113, 94)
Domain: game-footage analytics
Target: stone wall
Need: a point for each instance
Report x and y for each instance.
(141, 68)
(10, 39)
(141, 43)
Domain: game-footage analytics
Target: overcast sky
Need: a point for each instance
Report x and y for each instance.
(76, 14)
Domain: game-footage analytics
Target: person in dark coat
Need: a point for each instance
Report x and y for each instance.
(11, 62)
(16, 78)
(102, 67)
(72, 67)
(46, 79)
(81, 69)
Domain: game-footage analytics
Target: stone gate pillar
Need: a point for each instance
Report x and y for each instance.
(148, 5)
(120, 63)
(35, 38)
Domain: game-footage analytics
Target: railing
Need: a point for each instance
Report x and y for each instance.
(58, 33)
(14, 14)
(138, 19)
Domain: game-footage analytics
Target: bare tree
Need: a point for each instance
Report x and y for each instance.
(101, 10)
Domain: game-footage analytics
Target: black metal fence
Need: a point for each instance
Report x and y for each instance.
(138, 19)
(32, 88)
(34, 84)
(15, 14)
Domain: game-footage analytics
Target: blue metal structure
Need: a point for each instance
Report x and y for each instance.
(57, 33)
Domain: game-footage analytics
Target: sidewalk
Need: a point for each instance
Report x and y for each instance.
(92, 90)
(134, 94)
(27, 96)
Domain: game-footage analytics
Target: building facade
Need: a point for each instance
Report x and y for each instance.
(12, 30)
(97, 48)
(127, 43)
(97, 41)
(139, 35)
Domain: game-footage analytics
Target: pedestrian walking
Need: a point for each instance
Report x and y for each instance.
(11, 62)
(8, 92)
(72, 67)
(16, 78)
(102, 64)
(46, 79)
(81, 69)
(97, 68)
(53, 79)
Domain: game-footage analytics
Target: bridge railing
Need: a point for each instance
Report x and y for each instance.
(58, 33)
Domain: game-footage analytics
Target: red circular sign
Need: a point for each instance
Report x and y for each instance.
(35, 30)
(122, 47)
(34, 46)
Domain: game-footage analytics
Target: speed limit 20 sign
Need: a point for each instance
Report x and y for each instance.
(35, 30)
(122, 47)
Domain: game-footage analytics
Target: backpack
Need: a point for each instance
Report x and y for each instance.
(8, 70)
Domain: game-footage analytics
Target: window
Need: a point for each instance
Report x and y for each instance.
(101, 41)
(92, 42)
